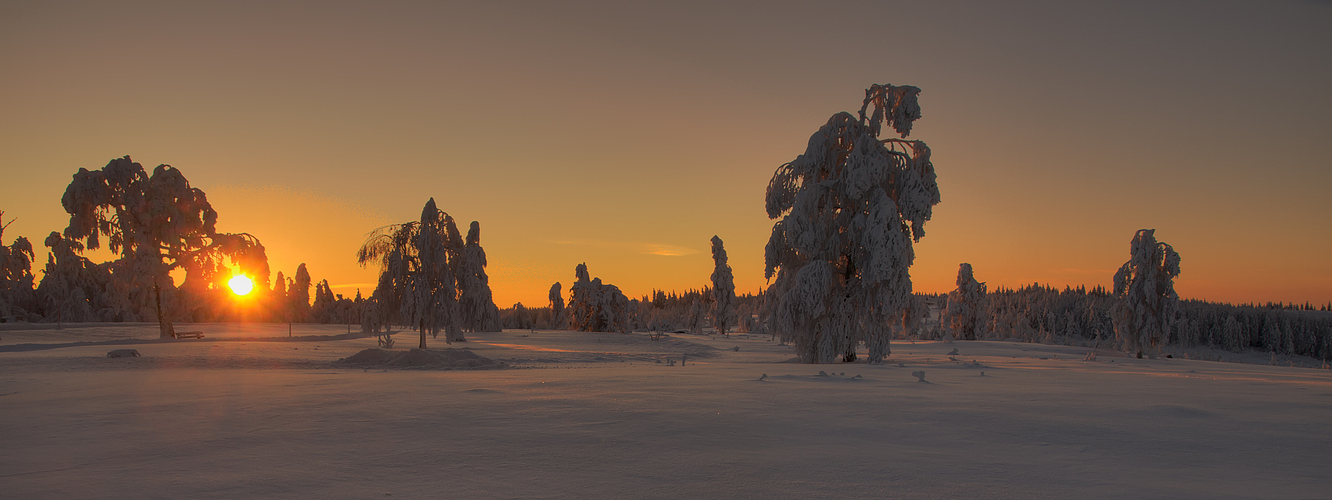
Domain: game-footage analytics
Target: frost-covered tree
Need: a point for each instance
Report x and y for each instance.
(723, 289)
(16, 278)
(965, 316)
(416, 281)
(594, 307)
(850, 208)
(298, 295)
(325, 303)
(558, 320)
(71, 283)
(1145, 289)
(156, 223)
(479, 313)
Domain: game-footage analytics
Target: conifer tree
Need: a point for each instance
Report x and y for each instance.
(723, 288)
(298, 295)
(558, 319)
(965, 315)
(479, 312)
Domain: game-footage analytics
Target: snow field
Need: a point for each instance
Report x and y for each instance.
(595, 415)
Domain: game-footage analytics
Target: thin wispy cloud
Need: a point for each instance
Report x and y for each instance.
(660, 249)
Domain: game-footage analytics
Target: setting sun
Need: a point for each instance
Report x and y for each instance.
(241, 284)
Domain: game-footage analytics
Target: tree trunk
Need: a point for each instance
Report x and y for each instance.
(163, 323)
(422, 330)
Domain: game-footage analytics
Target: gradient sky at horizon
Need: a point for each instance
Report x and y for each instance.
(625, 135)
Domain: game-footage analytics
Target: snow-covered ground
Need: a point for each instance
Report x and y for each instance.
(246, 413)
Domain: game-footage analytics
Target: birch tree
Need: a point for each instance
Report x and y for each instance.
(723, 288)
(1145, 289)
(850, 209)
(155, 222)
(416, 279)
(965, 315)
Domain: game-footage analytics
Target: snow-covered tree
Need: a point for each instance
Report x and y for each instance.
(16, 278)
(479, 313)
(723, 289)
(964, 317)
(325, 303)
(416, 281)
(558, 320)
(1145, 290)
(850, 208)
(594, 307)
(298, 295)
(71, 282)
(155, 222)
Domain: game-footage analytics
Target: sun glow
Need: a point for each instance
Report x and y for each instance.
(241, 284)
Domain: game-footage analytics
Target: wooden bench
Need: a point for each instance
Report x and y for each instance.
(189, 335)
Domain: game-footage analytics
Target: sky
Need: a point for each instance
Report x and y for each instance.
(627, 134)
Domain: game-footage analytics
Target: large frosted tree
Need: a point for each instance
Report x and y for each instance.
(850, 208)
(723, 288)
(156, 223)
(416, 281)
(1145, 289)
(965, 316)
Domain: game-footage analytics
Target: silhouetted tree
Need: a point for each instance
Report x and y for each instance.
(416, 278)
(965, 315)
(723, 288)
(850, 208)
(16, 279)
(479, 313)
(558, 320)
(1146, 291)
(156, 223)
(298, 295)
(594, 307)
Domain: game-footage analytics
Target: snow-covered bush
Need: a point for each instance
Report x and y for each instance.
(850, 208)
(965, 316)
(1146, 291)
(595, 307)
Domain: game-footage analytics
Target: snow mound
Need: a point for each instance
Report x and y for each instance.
(446, 359)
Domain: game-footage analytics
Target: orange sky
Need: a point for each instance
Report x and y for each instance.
(626, 136)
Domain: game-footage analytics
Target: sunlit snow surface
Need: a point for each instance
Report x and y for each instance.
(247, 413)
